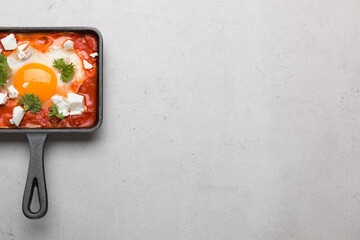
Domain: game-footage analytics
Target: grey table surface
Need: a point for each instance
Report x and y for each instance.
(225, 119)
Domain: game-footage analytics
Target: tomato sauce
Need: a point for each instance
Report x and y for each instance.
(84, 45)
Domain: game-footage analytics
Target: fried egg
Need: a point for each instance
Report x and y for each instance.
(36, 74)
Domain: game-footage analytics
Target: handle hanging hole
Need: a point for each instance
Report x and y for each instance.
(35, 200)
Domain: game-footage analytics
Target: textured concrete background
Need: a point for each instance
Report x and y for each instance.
(225, 119)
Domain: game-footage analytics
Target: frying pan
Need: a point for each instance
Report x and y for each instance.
(37, 137)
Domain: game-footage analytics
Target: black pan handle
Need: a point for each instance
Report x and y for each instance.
(36, 177)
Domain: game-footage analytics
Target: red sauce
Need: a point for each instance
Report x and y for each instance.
(84, 45)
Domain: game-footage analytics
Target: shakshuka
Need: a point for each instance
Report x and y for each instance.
(48, 80)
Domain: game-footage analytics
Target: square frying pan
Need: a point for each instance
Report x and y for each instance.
(38, 136)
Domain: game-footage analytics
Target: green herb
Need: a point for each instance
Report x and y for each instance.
(30, 102)
(54, 112)
(5, 70)
(67, 70)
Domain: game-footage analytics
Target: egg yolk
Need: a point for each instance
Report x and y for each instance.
(36, 78)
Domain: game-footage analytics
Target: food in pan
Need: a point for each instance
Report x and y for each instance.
(48, 80)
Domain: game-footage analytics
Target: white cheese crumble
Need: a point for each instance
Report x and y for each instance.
(25, 84)
(0, 50)
(21, 55)
(13, 93)
(22, 46)
(56, 99)
(87, 65)
(18, 114)
(9, 42)
(76, 103)
(69, 45)
(24, 51)
(72, 105)
(94, 54)
(3, 98)
(63, 105)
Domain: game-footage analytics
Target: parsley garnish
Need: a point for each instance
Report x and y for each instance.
(30, 102)
(5, 70)
(54, 112)
(67, 70)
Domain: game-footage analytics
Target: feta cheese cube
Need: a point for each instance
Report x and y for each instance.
(87, 65)
(94, 54)
(69, 45)
(22, 47)
(76, 103)
(21, 55)
(25, 84)
(24, 51)
(18, 114)
(13, 93)
(3, 98)
(9, 42)
(56, 99)
(63, 108)
(63, 105)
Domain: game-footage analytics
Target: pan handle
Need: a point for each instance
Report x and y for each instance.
(36, 177)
